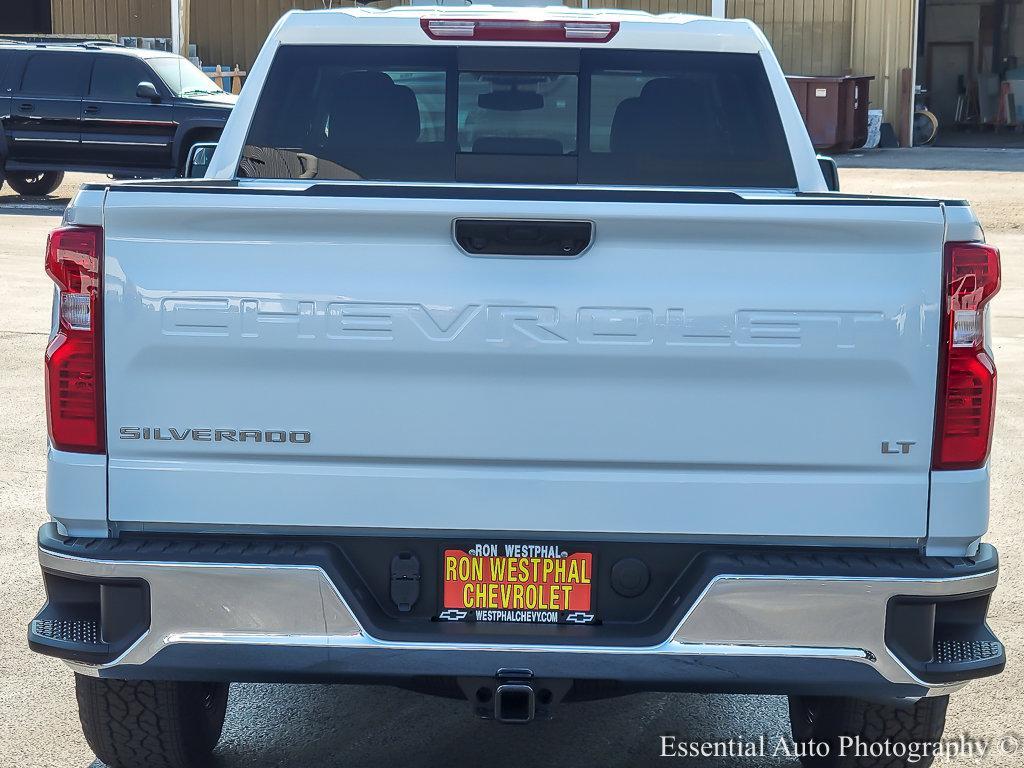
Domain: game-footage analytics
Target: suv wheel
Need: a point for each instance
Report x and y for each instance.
(151, 724)
(37, 184)
(877, 735)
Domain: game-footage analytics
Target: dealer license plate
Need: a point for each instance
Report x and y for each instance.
(524, 583)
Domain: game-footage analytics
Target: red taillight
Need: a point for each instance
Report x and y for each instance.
(520, 30)
(74, 359)
(967, 376)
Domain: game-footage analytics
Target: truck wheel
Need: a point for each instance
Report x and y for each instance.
(151, 724)
(901, 734)
(38, 184)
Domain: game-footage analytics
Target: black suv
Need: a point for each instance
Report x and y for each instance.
(100, 108)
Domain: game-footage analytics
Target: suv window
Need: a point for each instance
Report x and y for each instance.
(117, 78)
(402, 113)
(56, 73)
(182, 76)
(6, 57)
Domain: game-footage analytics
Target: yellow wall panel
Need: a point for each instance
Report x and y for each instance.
(129, 18)
(810, 37)
(884, 41)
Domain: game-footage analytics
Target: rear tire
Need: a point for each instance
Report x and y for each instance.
(37, 184)
(151, 724)
(906, 730)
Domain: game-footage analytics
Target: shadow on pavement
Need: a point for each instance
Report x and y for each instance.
(33, 211)
(20, 205)
(936, 159)
(359, 726)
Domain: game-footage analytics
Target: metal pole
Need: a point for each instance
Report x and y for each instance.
(718, 9)
(176, 25)
(179, 26)
(184, 25)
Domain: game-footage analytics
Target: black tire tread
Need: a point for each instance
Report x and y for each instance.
(48, 183)
(921, 723)
(144, 723)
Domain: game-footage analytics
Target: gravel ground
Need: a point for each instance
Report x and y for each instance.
(317, 725)
(10, 201)
(993, 180)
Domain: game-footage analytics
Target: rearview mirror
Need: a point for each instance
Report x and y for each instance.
(510, 101)
(199, 157)
(147, 90)
(830, 171)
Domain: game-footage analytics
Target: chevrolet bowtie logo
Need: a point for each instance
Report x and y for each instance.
(452, 614)
(579, 618)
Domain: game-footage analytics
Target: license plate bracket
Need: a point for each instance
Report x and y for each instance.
(528, 583)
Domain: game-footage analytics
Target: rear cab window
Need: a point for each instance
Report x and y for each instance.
(493, 115)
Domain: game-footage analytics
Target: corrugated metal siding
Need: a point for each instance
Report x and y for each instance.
(835, 37)
(701, 7)
(233, 31)
(884, 42)
(132, 18)
(810, 37)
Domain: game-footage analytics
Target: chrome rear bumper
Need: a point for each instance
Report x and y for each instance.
(747, 632)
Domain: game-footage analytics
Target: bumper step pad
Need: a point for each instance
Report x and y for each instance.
(966, 651)
(79, 639)
(958, 659)
(89, 620)
(81, 632)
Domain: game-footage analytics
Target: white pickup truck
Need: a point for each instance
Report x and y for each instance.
(519, 355)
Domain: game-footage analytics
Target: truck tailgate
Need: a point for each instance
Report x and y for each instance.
(710, 366)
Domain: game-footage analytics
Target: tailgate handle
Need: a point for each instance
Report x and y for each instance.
(524, 239)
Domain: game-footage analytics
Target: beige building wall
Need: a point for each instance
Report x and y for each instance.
(129, 18)
(836, 37)
(225, 31)
(884, 44)
(232, 32)
(810, 37)
(700, 7)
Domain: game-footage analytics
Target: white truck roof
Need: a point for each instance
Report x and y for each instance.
(633, 30)
(637, 29)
